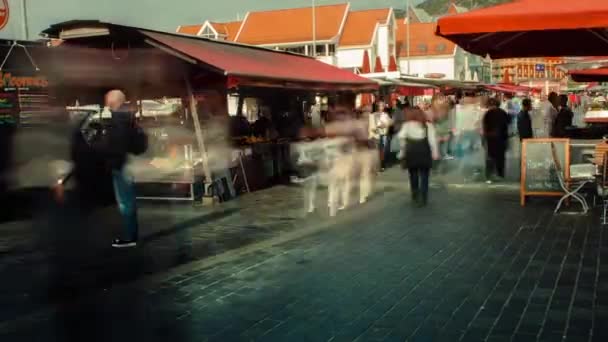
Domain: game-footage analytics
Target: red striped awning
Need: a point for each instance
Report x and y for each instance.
(252, 66)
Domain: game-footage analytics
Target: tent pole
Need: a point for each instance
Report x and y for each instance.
(199, 134)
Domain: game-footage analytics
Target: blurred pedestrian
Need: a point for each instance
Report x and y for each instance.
(441, 111)
(122, 133)
(550, 113)
(380, 123)
(563, 119)
(524, 120)
(418, 149)
(496, 134)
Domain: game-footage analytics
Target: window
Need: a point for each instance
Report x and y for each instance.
(440, 47)
(320, 50)
(422, 48)
(296, 49)
(332, 49)
(208, 33)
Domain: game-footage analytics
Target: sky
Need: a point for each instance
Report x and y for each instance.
(164, 15)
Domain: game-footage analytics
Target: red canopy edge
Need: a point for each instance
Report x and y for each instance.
(527, 15)
(590, 75)
(251, 66)
(234, 82)
(530, 28)
(511, 88)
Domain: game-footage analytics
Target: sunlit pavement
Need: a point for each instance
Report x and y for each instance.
(473, 266)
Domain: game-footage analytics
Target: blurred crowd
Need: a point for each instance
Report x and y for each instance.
(346, 149)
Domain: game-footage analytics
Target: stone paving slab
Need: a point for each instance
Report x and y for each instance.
(68, 252)
(473, 266)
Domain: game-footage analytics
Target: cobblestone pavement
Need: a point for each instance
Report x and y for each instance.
(65, 251)
(473, 266)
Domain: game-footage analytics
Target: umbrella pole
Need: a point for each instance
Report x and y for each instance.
(199, 136)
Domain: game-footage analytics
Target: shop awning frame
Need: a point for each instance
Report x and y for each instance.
(242, 65)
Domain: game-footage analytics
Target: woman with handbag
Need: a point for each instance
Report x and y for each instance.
(418, 150)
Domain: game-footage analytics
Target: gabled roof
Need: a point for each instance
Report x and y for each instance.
(361, 26)
(423, 41)
(292, 25)
(189, 29)
(228, 30)
(419, 15)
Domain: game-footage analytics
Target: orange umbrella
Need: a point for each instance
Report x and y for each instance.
(507, 77)
(392, 64)
(531, 28)
(365, 67)
(378, 67)
(366, 98)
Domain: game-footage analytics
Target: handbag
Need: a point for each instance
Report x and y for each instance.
(418, 153)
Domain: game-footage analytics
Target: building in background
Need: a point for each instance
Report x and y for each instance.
(345, 38)
(432, 56)
(371, 31)
(535, 72)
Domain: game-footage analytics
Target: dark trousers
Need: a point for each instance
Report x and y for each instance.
(124, 190)
(419, 183)
(384, 147)
(495, 159)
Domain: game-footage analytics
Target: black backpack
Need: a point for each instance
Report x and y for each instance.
(138, 143)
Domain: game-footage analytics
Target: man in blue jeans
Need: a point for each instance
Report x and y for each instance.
(119, 138)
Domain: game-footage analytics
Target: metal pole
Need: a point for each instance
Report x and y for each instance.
(199, 133)
(407, 38)
(26, 33)
(491, 71)
(314, 30)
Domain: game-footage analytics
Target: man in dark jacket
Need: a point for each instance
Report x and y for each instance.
(563, 119)
(496, 133)
(120, 133)
(524, 121)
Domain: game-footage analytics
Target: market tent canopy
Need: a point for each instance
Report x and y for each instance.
(250, 66)
(590, 75)
(510, 88)
(531, 28)
(240, 65)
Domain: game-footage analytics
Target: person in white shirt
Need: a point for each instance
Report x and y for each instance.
(380, 123)
(419, 148)
(550, 113)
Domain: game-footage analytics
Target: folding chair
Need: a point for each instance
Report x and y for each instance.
(583, 175)
(602, 187)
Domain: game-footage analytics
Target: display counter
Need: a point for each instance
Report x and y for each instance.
(265, 163)
(174, 178)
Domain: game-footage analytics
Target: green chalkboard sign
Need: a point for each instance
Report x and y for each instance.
(541, 161)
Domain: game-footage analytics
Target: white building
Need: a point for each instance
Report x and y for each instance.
(341, 36)
(345, 38)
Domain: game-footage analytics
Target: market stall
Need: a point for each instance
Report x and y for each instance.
(533, 28)
(200, 73)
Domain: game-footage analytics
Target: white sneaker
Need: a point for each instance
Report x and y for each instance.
(488, 182)
(124, 244)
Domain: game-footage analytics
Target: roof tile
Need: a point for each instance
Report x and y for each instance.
(360, 26)
(423, 41)
(189, 29)
(229, 29)
(292, 25)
